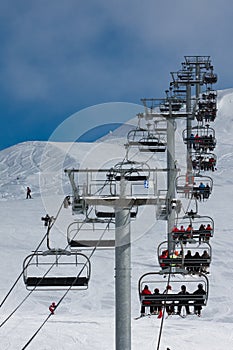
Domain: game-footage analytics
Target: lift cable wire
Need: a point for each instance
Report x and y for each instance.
(34, 252)
(34, 335)
(162, 319)
(66, 292)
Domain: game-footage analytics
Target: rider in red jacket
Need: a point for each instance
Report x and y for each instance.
(145, 291)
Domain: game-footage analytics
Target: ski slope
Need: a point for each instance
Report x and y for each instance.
(86, 319)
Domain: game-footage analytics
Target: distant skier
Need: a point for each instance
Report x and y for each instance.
(52, 308)
(28, 193)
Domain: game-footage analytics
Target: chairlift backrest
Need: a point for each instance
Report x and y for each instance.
(89, 233)
(56, 270)
(176, 280)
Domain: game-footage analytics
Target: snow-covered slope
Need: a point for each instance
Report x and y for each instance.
(85, 320)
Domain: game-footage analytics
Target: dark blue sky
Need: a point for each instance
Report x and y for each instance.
(61, 56)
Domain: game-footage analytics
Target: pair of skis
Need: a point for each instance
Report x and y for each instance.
(159, 315)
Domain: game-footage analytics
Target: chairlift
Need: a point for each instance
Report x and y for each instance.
(210, 78)
(175, 280)
(198, 187)
(187, 256)
(151, 144)
(88, 233)
(206, 115)
(207, 107)
(131, 171)
(78, 206)
(155, 132)
(203, 161)
(194, 226)
(185, 75)
(103, 213)
(175, 106)
(201, 138)
(135, 135)
(56, 270)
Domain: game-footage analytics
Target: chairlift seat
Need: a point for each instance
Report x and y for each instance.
(107, 214)
(154, 149)
(56, 281)
(186, 299)
(107, 243)
(185, 261)
(132, 177)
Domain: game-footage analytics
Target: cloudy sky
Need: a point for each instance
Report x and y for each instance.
(62, 56)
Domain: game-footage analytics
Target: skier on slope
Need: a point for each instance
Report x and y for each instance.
(28, 193)
(52, 308)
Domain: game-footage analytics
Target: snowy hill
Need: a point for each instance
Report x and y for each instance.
(85, 319)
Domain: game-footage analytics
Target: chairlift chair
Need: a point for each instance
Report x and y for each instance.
(103, 213)
(201, 138)
(180, 260)
(191, 187)
(88, 233)
(202, 227)
(203, 161)
(161, 280)
(152, 144)
(210, 78)
(56, 270)
(135, 135)
(131, 171)
(176, 105)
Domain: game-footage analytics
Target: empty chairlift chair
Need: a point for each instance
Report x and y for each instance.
(89, 233)
(131, 171)
(152, 144)
(56, 270)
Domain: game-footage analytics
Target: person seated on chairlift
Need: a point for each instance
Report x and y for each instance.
(181, 233)
(208, 230)
(204, 266)
(146, 291)
(196, 264)
(202, 233)
(183, 303)
(202, 191)
(158, 307)
(188, 265)
(197, 304)
(174, 255)
(206, 193)
(175, 230)
(189, 229)
(164, 255)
